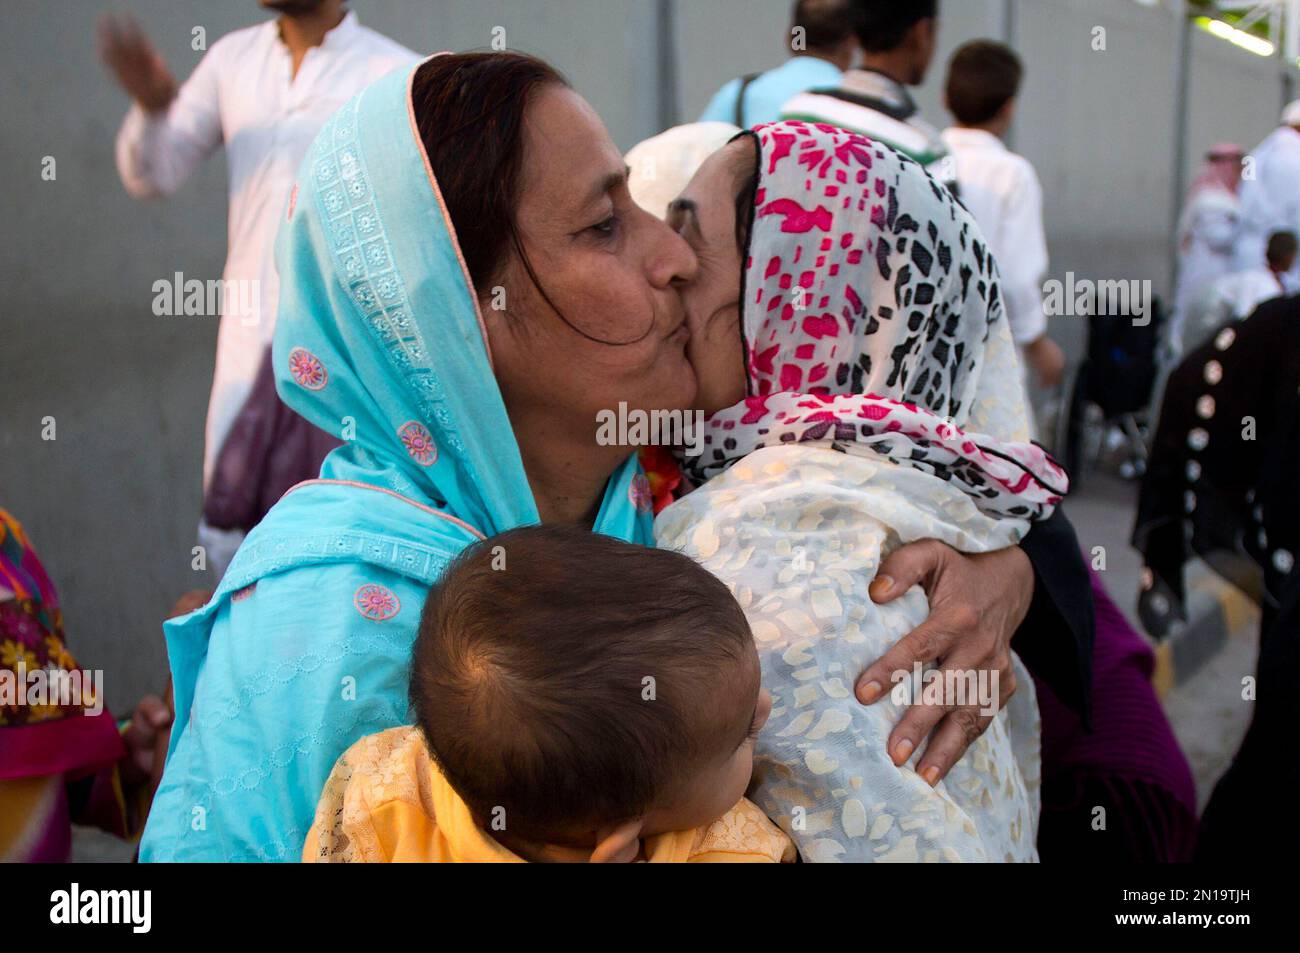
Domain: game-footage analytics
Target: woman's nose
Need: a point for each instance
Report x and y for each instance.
(672, 260)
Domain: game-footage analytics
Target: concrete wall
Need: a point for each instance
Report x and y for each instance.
(113, 500)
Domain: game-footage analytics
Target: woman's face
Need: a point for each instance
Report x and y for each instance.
(705, 215)
(612, 272)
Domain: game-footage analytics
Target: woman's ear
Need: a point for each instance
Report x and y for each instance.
(618, 844)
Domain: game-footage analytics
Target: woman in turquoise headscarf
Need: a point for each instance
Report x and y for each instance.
(383, 341)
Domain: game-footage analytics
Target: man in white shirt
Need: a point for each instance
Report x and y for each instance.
(1002, 191)
(264, 92)
(897, 38)
(1270, 191)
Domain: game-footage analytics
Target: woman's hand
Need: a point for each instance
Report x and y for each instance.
(976, 605)
(147, 735)
(146, 741)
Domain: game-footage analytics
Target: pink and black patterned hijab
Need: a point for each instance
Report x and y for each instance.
(868, 296)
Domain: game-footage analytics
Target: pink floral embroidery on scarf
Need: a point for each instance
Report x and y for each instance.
(376, 603)
(418, 443)
(307, 369)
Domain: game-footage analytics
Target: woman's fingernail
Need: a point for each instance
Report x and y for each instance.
(869, 692)
(931, 775)
(880, 587)
(902, 751)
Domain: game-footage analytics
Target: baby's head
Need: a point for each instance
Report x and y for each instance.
(580, 691)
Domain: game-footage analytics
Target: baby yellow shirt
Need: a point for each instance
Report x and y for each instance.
(387, 801)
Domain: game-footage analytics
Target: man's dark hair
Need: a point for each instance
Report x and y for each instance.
(881, 25)
(1282, 249)
(530, 677)
(983, 76)
(825, 23)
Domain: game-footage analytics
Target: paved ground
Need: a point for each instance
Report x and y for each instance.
(1206, 710)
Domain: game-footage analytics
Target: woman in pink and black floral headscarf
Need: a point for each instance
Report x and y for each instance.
(871, 315)
(868, 319)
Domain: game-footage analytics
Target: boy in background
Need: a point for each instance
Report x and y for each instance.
(1002, 191)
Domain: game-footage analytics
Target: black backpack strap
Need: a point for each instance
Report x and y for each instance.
(740, 98)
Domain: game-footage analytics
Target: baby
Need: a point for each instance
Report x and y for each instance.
(862, 392)
(577, 698)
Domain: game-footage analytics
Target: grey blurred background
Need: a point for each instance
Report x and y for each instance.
(112, 502)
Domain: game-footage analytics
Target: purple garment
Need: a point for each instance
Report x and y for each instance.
(1129, 764)
(269, 450)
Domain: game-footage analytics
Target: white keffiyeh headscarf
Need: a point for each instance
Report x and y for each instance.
(660, 167)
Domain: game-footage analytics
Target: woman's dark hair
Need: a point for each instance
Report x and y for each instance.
(746, 193)
(746, 199)
(469, 109)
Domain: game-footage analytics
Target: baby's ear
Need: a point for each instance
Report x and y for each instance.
(618, 844)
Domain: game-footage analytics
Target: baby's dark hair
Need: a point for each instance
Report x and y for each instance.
(571, 679)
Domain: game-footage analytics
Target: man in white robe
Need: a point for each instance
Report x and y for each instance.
(1270, 191)
(263, 92)
(1208, 231)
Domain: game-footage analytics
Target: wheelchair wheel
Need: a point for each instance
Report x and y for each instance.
(1071, 437)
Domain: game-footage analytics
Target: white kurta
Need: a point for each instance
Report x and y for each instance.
(1002, 191)
(797, 532)
(1270, 200)
(242, 94)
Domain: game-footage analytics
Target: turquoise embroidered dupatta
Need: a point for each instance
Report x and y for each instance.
(305, 646)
